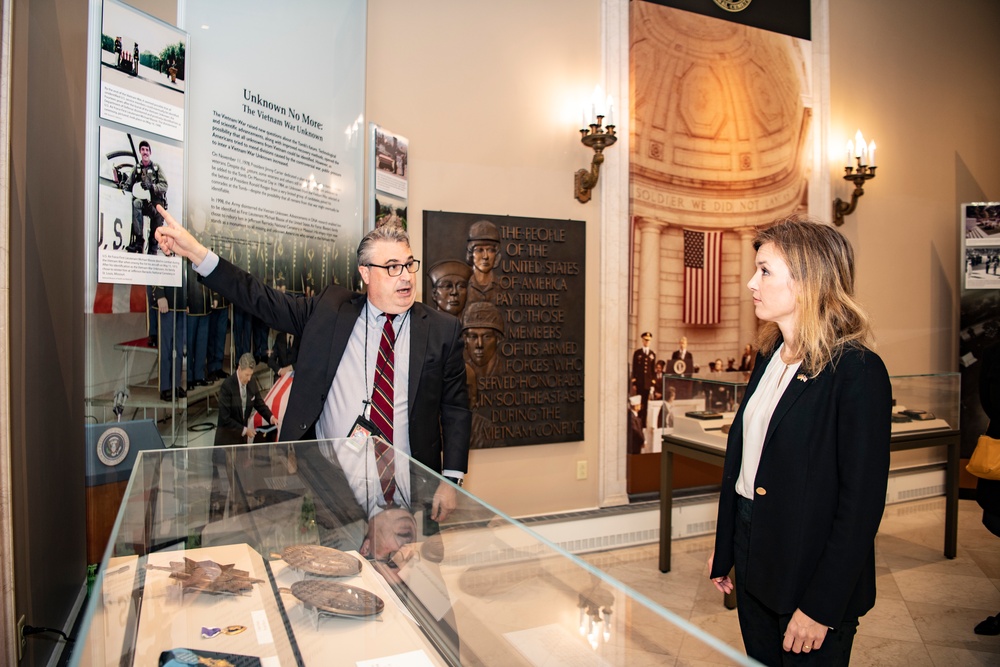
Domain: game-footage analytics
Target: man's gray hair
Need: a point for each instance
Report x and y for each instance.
(391, 233)
(248, 361)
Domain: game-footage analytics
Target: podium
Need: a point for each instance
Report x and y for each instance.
(111, 452)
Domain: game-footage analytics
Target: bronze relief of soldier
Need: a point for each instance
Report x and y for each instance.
(450, 285)
(483, 254)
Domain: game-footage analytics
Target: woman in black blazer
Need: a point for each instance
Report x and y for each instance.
(807, 462)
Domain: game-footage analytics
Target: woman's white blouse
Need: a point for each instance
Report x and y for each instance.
(757, 416)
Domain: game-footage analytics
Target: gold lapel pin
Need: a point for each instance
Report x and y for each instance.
(801, 377)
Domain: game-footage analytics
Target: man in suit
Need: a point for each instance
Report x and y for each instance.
(682, 363)
(285, 351)
(239, 395)
(682, 353)
(339, 332)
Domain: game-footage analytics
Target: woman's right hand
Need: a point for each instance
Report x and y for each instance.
(724, 584)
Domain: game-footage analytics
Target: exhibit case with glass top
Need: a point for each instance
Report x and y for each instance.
(924, 435)
(288, 554)
(705, 404)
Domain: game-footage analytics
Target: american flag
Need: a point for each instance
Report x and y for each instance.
(109, 298)
(276, 399)
(702, 269)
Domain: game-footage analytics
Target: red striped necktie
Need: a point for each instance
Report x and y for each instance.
(382, 410)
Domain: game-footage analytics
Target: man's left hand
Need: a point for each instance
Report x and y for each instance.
(444, 503)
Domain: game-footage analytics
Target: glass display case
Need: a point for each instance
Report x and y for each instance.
(288, 554)
(925, 434)
(703, 405)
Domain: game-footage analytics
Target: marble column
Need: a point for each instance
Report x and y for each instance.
(748, 320)
(648, 280)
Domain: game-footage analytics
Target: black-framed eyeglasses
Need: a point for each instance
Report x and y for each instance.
(395, 270)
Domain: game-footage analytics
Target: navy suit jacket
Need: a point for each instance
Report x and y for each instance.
(440, 422)
(819, 490)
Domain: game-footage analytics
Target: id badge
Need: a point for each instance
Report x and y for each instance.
(363, 429)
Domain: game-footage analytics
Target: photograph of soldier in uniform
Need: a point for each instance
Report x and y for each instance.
(135, 173)
(643, 364)
(148, 185)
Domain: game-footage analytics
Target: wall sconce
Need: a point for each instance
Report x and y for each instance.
(859, 168)
(598, 136)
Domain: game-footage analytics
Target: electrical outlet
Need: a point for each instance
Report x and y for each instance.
(581, 470)
(20, 638)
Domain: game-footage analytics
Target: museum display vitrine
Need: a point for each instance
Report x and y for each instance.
(288, 554)
(925, 435)
(705, 404)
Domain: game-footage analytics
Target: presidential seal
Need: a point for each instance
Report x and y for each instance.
(679, 367)
(733, 5)
(112, 446)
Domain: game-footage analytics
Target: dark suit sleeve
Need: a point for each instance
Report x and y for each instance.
(277, 352)
(229, 416)
(456, 418)
(864, 406)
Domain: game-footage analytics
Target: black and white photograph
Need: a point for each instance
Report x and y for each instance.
(142, 71)
(982, 267)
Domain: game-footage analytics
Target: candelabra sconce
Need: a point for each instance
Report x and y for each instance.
(862, 169)
(597, 136)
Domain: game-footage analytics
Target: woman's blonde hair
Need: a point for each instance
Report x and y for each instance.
(821, 263)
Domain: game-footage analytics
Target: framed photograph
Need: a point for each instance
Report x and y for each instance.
(980, 245)
(135, 174)
(389, 184)
(142, 71)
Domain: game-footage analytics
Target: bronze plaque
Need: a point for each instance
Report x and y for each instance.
(518, 286)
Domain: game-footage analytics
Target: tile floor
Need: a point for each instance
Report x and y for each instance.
(927, 604)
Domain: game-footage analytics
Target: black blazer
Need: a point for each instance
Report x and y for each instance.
(232, 416)
(281, 354)
(439, 420)
(819, 491)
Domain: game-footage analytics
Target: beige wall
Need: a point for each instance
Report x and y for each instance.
(922, 80)
(485, 94)
(489, 96)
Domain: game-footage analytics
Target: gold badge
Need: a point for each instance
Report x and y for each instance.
(733, 5)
